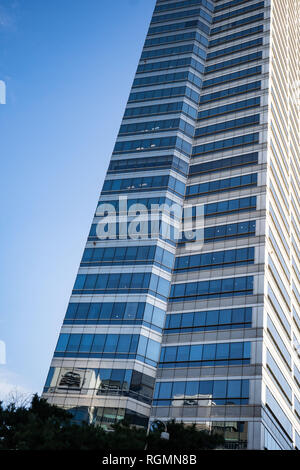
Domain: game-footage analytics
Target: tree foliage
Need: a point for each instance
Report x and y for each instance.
(42, 426)
(184, 438)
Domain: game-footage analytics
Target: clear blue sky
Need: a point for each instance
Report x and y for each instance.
(68, 67)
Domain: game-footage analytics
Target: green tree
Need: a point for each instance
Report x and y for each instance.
(42, 426)
(183, 438)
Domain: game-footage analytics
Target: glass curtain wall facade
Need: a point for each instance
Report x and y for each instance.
(160, 326)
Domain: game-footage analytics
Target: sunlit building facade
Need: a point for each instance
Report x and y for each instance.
(203, 327)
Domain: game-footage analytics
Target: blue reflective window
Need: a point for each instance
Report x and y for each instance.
(229, 92)
(71, 311)
(248, 203)
(62, 342)
(167, 78)
(80, 280)
(74, 342)
(233, 62)
(203, 392)
(138, 164)
(232, 76)
(237, 35)
(118, 311)
(111, 343)
(191, 35)
(165, 389)
(205, 289)
(98, 343)
(158, 317)
(153, 349)
(178, 389)
(240, 11)
(235, 48)
(184, 62)
(220, 145)
(206, 387)
(229, 26)
(229, 108)
(82, 311)
(86, 342)
(209, 352)
(157, 126)
(134, 343)
(164, 108)
(158, 94)
(90, 281)
(236, 350)
(144, 145)
(49, 377)
(183, 4)
(106, 310)
(187, 48)
(196, 352)
(217, 165)
(181, 14)
(228, 184)
(192, 389)
(219, 390)
(183, 353)
(227, 126)
(206, 354)
(215, 260)
(170, 354)
(177, 26)
(142, 346)
(222, 351)
(234, 388)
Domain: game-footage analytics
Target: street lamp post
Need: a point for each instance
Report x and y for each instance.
(163, 435)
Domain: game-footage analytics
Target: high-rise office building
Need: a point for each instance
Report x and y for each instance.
(199, 322)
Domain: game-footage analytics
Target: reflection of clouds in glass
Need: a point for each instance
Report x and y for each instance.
(192, 400)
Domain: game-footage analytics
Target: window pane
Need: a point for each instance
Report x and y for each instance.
(219, 389)
(153, 349)
(130, 310)
(236, 350)
(111, 343)
(86, 342)
(74, 342)
(82, 310)
(170, 354)
(165, 390)
(142, 346)
(196, 352)
(71, 312)
(234, 388)
(94, 311)
(206, 387)
(174, 320)
(106, 310)
(209, 351)
(222, 351)
(62, 342)
(183, 353)
(191, 389)
(124, 343)
(178, 390)
(98, 343)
